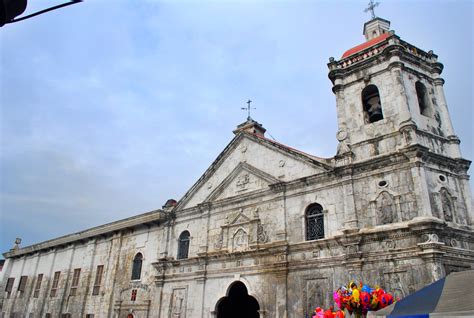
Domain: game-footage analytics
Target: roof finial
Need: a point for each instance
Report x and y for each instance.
(371, 7)
(248, 108)
(17, 243)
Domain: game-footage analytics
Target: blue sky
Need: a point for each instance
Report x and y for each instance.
(109, 108)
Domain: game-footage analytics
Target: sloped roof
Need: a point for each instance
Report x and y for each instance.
(320, 160)
(365, 45)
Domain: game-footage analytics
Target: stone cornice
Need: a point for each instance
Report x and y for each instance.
(153, 217)
(458, 165)
(392, 46)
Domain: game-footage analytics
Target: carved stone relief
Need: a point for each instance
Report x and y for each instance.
(430, 238)
(389, 244)
(316, 293)
(178, 303)
(240, 240)
(454, 243)
(447, 205)
(243, 181)
(261, 234)
(386, 212)
(240, 231)
(343, 146)
(393, 282)
(220, 240)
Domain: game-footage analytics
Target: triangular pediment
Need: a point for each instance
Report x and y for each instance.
(243, 179)
(248, 164)
(239, 218)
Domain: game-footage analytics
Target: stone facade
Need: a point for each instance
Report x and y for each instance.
(281, 227)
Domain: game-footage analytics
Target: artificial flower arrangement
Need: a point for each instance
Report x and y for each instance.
(357, 300)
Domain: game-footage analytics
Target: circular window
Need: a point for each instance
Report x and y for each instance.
(442, 178)
(383, 184)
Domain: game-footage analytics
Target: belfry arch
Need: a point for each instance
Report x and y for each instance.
(237, 303)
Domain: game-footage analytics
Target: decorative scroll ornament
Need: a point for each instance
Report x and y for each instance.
(431, 238)
(220, 240)
(261, 234)
(243, 181)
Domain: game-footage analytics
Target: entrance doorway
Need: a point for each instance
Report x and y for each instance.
(238, 303)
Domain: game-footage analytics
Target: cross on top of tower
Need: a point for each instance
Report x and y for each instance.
(371, 7)
(248, 108)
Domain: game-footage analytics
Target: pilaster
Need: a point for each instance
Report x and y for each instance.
(453, 140)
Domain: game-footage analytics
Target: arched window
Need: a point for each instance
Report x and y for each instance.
(314, 222)
(183, 245)
(137, 266)
(423, 99)
(372, 104)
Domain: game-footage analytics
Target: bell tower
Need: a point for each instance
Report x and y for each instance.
(389, 94)
(392, 114)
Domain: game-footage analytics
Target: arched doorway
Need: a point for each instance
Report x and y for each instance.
(238, 303)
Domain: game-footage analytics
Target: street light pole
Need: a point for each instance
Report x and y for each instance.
(9, 9)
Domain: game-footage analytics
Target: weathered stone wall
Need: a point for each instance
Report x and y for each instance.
(115, 252)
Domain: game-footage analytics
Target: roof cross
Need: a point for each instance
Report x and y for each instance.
(248, 108)
(371, 7)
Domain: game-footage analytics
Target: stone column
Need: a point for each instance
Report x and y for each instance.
(443, 107)
(338, 89)
(90, 250)
(163, 252)
(351, 222)
(466, 197)
(13, 295)
(48, 278)
(454, 141)
(400, 96)
(157, 306)
(422, 195)
(67, 285)
(344, 154)
(34, 278)
(114, 265)
(201, 281)
(432, 253)
(281, 295)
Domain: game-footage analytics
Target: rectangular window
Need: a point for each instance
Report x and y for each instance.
(9, 286)
(22, 285)
(90, 316)
(38, 285)
(47, 315)
(98, 279)
(54, 287)
(134, 295)
(75, 281)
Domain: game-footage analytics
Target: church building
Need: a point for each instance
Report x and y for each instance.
(271, 231)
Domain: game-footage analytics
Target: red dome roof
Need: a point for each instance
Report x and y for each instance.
(365, 45)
